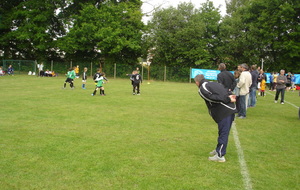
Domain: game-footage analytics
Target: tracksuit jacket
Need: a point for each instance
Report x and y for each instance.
(217, 100)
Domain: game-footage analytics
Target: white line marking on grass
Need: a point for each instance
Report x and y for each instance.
(286, 101)
(243, 165)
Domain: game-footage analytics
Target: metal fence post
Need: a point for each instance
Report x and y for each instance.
(91, 69)
(142, 72)
(34, 67)
(190, 79)
(165, 74)
(115, 71)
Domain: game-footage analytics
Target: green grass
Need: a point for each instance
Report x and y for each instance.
(52, 138)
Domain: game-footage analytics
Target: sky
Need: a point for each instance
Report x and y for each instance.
(148, 5)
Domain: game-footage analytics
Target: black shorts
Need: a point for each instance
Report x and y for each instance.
(69, 80)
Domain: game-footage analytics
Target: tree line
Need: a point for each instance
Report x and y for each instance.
(112, 31)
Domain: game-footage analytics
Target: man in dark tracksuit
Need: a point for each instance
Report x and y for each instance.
(226, 78)
(222, 108)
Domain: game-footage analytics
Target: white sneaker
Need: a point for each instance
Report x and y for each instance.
(275, 101)
(282, 102)
(212, 153)
(216, 158)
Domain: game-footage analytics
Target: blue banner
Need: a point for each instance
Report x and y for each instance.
(208, 74)
(297, 78)
(213, 74)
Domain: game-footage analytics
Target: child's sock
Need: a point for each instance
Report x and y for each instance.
(64, 85)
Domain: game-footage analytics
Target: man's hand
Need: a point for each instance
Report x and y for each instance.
(232, 98)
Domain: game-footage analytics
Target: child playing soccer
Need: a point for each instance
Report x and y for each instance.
(98, 78)
(70, 78)
(76, 69)
(136, 79)
(84, 77)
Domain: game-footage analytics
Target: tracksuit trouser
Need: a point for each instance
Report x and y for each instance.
(224, 129)
(280, 91)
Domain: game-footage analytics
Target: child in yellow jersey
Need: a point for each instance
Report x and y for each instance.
(262, 87)
(77, 71)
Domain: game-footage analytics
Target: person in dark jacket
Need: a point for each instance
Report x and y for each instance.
(253, 88)
(136, 80)
(226, 78)
(221, 107)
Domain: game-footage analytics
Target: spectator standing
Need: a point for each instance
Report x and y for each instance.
(254, 75)
(226, 78)
(289, 81)
(244, 84)
(271, 77)
(281, 85)
(41, 69)
(236, 90)
(293, 82)
(275, 81)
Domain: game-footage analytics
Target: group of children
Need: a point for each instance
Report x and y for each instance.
(99, 79)
(10, 71)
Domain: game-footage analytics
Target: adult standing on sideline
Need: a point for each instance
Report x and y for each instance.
(293, 82)
(236, 90)
(289, 81)
(244, 84)
(41, 69)
(280, 88)
(271, 77)
(275, 81)
(226, 78)
(220, 104)
(252, 96)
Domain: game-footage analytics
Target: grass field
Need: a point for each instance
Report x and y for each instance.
(52, 138)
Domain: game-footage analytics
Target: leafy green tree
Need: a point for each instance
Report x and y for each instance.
(184, 36)
(72, 29)
(279, 29)
(30, 28)
(111, 31)
(233, 5)
(262, 30)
